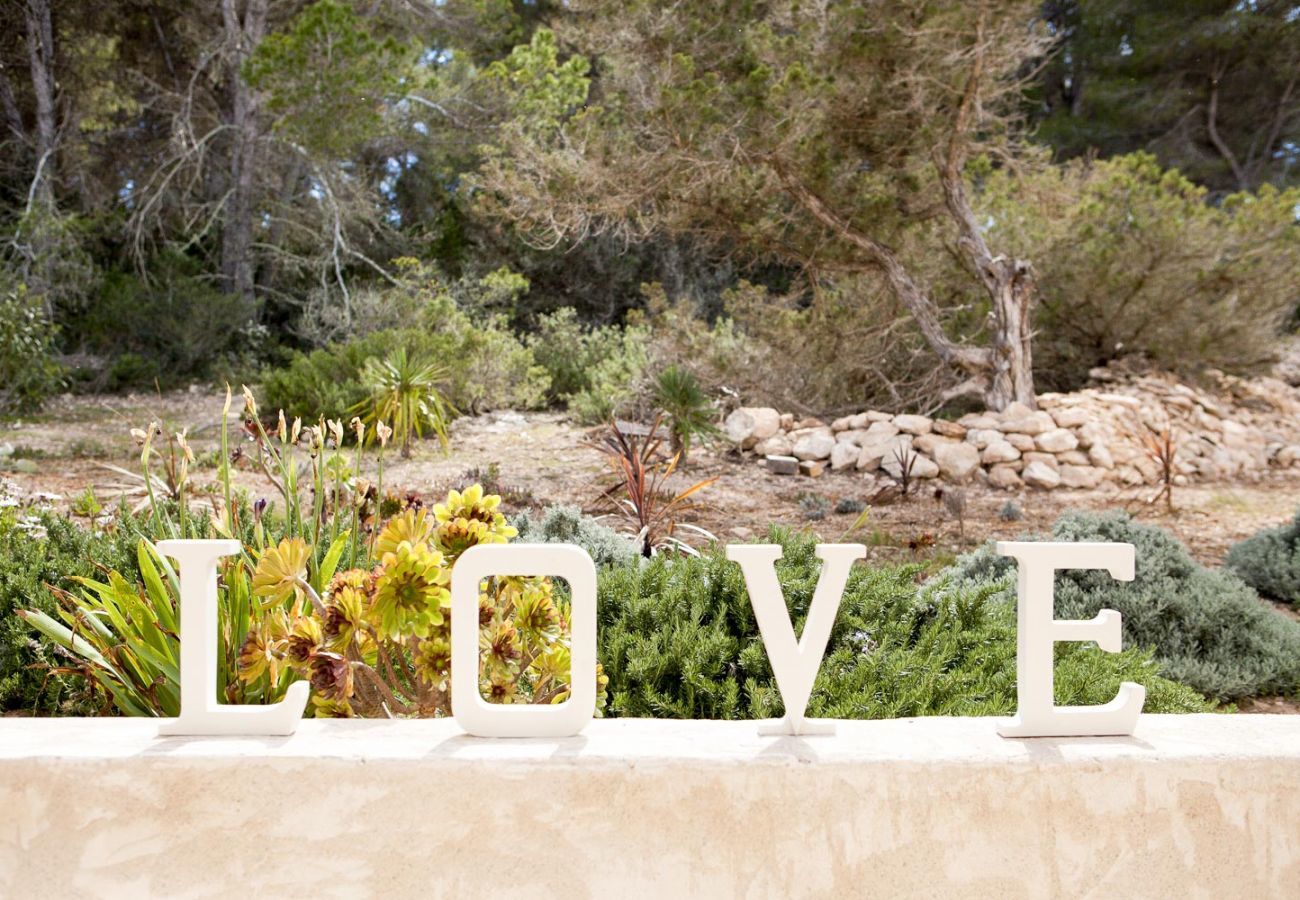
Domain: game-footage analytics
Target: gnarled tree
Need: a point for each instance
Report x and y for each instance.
(833, 135)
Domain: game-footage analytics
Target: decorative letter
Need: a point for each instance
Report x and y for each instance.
(795, 662)
(200, 711)
(471, 711)
(1037, 630)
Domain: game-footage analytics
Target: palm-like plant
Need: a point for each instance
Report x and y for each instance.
(404, 392)
(641, 495)
(690, 414)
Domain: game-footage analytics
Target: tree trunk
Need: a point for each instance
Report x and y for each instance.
(244, 34)
(40, 196)
(1013, 363)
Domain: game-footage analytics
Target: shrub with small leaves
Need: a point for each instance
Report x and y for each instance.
(1269, 561)
(1205, 627)
(567, 525)
(678, 639)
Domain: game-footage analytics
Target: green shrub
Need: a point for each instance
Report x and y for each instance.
(678, 394)
(567, 525)
(1206, 628)
(487, 367)
(27, 565)
(597, 372)
(1269, 561)
(28, 372)
(171, 327)
(678, 639)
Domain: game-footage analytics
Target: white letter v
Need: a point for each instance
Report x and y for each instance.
(795, 662)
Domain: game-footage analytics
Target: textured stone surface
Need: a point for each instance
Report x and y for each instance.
(1195, 806)
(1040, 475)
(783, 465)
(957, 462)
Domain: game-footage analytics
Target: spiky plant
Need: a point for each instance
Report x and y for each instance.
(404, 392)
(688, 410)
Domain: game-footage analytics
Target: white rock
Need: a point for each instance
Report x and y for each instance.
(859, 421)
(1040, 475)
(1070, 416)
(1058, 440)
(949, 429)
(844, 455)
(927, 442)
(880, 429)
(956, 462)
(978, 420)
(920, 466)
(776, 445)
(1080, 476)
(1091, 433)
(1099, 456)
(914, 424)
(750, 424)
(1073, 458)
(982, 437)
(1033, 423)
(1022, 442)
(1004, 477)
(999, 451)
(816, 445)
(842, 424)
(1288, 455)
(875, 452)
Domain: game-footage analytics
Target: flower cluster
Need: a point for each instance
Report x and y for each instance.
(377, 641)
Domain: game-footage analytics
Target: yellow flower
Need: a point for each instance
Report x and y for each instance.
(410, 592)
(325, 708)
(305, 640)
(262, 650)
(412, 526)
(343, 616)
(280, 570)
(499, 687)
(470, 518)
(433, 661)
(535, 613)
(499, 644)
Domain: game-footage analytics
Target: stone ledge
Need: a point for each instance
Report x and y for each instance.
(1201, 805)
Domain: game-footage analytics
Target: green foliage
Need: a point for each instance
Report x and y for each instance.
(27, 565)
(1132, 260)
(168, 327)
(405, 395)
(29, 373)
(540, 90)
(1269, 561)
(326, 75)
(599, 372)
(677, 393)
(567, 525)
(486, 365)
(1206, 628)
(1207, 86)
(678, 639)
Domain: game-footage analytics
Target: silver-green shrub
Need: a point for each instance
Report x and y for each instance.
(567, 525)
(1205, 627)
(1269, 561)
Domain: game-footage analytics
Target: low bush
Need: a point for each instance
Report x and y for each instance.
(1206, 628)
(598, 372)
(567, 525)
(29, 373)
(678, 639)
(168, 328)
(1269, 561)
(487, 368)
(27, 565)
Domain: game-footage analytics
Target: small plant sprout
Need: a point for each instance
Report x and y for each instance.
(690, 414)
(1010, 512)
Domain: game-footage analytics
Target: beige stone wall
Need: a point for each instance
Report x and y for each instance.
(1192, 806)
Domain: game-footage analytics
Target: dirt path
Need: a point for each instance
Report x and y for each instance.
(541, 458)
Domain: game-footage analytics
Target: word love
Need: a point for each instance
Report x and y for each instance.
(795, 660)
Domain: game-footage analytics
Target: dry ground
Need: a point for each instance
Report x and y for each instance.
(542, 458)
